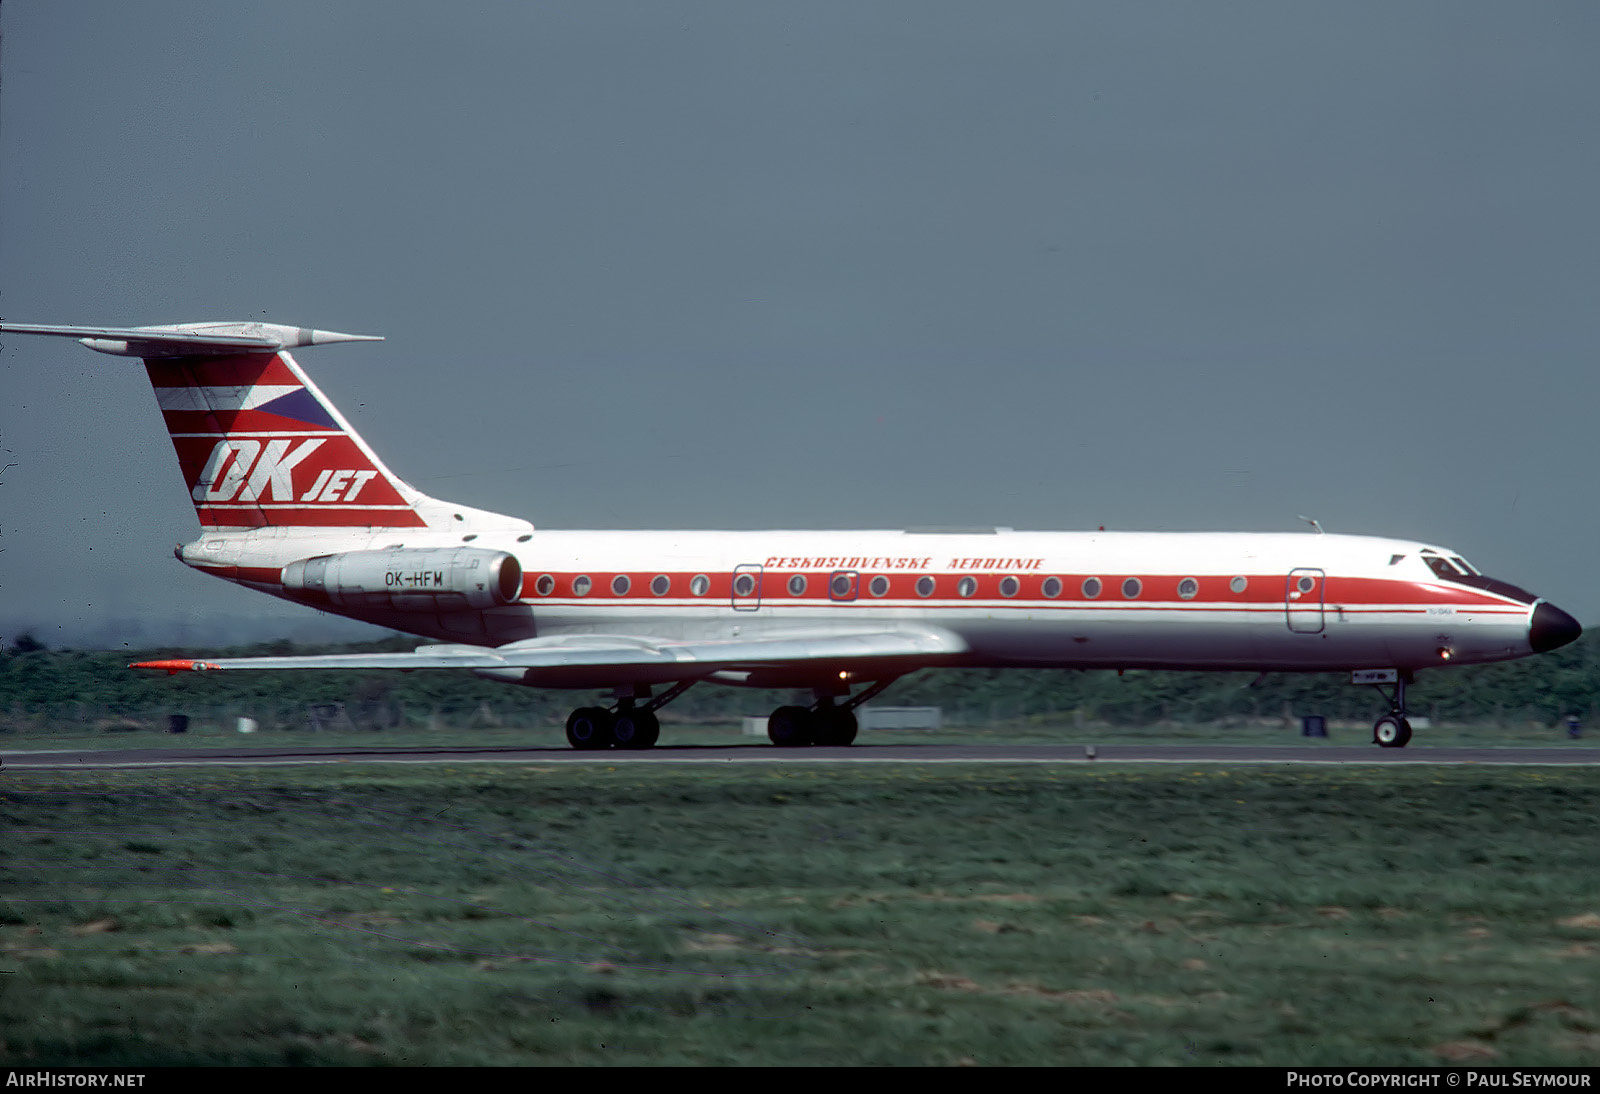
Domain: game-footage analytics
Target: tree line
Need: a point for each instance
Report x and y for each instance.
(1542, 689)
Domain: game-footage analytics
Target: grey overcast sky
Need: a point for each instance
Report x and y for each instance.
(734, 265)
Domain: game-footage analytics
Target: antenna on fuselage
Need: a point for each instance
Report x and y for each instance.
(1315, 525)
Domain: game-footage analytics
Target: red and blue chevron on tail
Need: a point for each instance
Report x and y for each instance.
(259, 446)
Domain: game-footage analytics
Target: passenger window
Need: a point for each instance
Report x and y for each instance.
(620, 585)
(1188, 588)
(1051, 587)
(797, 585)
(1091, 587)
(1132, 587)
(967, 586)
(580, 585)
(925, 585)
(700, 585)
(1009, 586)
(660, 585)
(545, 585)
(878, 586)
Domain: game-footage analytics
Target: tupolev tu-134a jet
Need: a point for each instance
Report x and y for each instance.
(292, 502)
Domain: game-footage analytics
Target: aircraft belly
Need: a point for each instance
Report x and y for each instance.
(1152, 638)
(1262, 641)
(1467, 641)
(493, 627)
(1115, 641)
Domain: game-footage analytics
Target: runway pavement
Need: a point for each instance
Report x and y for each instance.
(84, 759)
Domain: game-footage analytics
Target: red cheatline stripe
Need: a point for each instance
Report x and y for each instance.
(1080, 607)
(1266, 590)
(1402, 597)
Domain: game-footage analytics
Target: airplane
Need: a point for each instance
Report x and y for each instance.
(293, 503)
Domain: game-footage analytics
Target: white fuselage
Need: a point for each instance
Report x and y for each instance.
(1288, 602)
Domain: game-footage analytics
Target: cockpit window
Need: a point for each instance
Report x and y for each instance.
(1443, 567)
(1459, 571)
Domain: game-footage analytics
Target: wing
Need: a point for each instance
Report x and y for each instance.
(595, 660)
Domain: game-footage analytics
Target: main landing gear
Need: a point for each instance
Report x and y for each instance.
(1392, 730)
(829, 722)
(630, 724)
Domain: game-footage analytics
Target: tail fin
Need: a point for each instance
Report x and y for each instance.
(258, 444)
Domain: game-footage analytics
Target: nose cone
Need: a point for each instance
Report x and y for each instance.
(1551, 628)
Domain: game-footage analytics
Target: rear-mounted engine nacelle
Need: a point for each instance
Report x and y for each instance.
(408, 579)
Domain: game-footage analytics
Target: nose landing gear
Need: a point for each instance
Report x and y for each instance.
(1392, 730)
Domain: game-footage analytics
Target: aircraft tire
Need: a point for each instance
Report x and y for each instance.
(835, 727)
(636, 729)
(589, 729)
(791, 727)
(1392, 731)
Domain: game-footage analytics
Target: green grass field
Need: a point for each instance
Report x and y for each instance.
(887, 915)
(1042, 730)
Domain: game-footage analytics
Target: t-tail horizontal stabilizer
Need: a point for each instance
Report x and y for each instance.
(191, 339)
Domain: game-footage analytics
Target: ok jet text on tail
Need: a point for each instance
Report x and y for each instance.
(293, 503)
